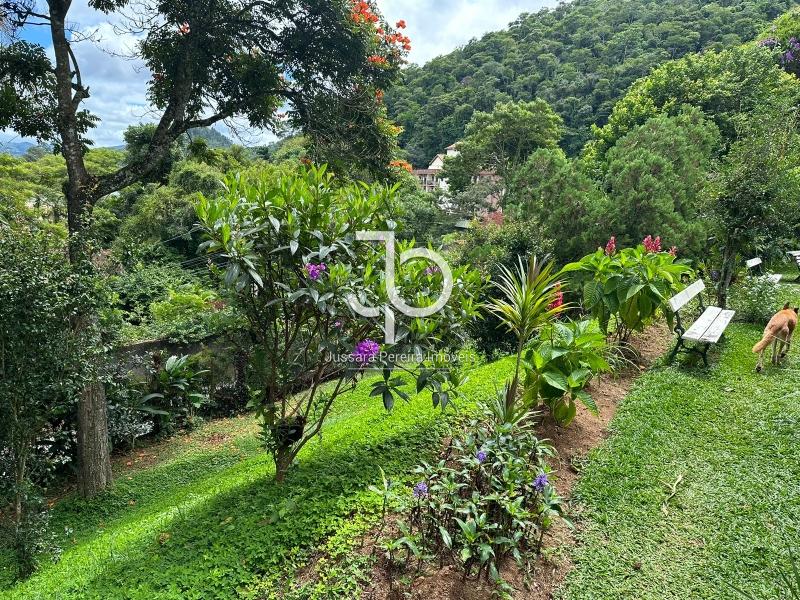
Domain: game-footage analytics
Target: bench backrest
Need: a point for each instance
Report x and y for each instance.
(678, 301)
(753, 262)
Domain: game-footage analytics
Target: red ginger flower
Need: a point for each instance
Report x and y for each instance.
(611, 246)
(674, 251)
(652, 245)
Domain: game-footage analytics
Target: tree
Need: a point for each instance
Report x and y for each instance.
(724, 85)
(654, 178)
(296, 267)
(502, 140)
(568, 204)
(211, 60)
(754, 189)
(581, 57)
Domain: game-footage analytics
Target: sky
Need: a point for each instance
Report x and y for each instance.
(118, 85)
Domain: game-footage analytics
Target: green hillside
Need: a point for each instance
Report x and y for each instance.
(579, 57)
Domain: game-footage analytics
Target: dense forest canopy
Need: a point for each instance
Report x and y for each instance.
(580, 57)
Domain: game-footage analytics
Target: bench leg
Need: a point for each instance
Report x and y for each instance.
(675, 350)
(704, 353)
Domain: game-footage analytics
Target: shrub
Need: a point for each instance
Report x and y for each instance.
(490, 248)
(295, 267)
(755, 299)
(560, 365)
(492, 499)
(38, 354)
(624, 291)
(191, 313)
(176, 393)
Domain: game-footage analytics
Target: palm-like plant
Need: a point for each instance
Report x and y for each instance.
(531, 298)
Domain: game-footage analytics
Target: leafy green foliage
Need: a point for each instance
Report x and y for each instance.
(568, 204)
(754, 189)
(655, 175)
(560, 365)
(176, 392)
(39, 369)
(755, 299)
(725, 85)
(153, 531)
(500, 140)
(624, 291)
(293, 262)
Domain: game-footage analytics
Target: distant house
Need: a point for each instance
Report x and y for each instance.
(431, 178)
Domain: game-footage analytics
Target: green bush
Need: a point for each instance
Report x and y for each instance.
(560, 364)
(755, 299)
(40, 362)
(624, 291)
(489, 248)
(295, 265)
(191, 313)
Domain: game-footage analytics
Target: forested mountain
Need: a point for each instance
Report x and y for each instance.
(580, 57)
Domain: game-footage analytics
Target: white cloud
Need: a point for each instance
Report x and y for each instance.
(438, 26)
(118, 86)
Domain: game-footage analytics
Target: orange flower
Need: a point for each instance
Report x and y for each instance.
(376, 60)
(401, 24)
(379, 95)
(401, 164)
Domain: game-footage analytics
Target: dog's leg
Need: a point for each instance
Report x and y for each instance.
(760, 365)
(775, 351)
(788, 345)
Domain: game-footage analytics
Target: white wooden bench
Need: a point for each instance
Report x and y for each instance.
(795, 256)
(706, 330)
(757, 263)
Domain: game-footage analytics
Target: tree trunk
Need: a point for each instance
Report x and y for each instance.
(94, 459)
(726, 275)
(283, 460)
(94, 452)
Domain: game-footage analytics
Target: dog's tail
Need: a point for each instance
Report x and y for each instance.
(762, 344)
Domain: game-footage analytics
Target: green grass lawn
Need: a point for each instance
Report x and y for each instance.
(734, 437)
(209, 522)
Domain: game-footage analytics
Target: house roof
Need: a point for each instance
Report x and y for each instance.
(451, 147)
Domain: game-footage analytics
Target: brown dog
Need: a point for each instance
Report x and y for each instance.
(780, 329)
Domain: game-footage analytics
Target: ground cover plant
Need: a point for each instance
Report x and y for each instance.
(488, 502)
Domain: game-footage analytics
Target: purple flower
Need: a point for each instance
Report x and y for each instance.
(768, 43)
(337, 324)
(315, 271)
(540, 482)
(421, 490)
(432, 270)
(365, 351)
(481, 456)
